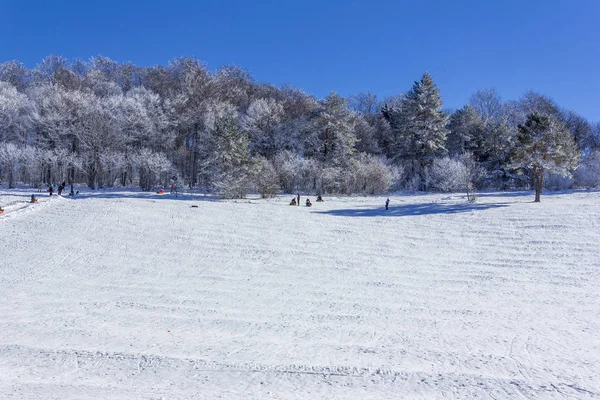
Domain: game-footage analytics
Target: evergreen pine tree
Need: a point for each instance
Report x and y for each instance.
(337, 137)
(465, 127)
(228, 159)
(545, 144)
(423, 130)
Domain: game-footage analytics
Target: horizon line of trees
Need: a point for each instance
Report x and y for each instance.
(104, 124)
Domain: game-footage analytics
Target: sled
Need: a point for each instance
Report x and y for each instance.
(160, 192)
(34, 201)
(1, 211)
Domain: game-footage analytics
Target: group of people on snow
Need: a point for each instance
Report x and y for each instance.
(295, 202)
(61, 187)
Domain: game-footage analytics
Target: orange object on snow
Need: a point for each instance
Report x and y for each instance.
(1, 211)
(160, 192)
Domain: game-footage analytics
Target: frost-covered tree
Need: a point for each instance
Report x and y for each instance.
(94, 120)
(15, 73)
(289, 167)
(227, 157)
(366, 139)
(588, 174)
(488, 105)
(151, 167)
(465, 130)
(581, 129)
(16, 115)
(10, 155)
(422, 126)
(335, 138)
(260, 121)
(265, 177)
(545, 145)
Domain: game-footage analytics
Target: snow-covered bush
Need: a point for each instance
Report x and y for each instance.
(235, 184)
(558, 182)
(449, 174)
(374, 175)
(446, 174)
(588, 174)
(368, 174)
(265, 177)
(329, 180)
(289, 167)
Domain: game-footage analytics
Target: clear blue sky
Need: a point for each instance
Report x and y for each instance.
(550, 46)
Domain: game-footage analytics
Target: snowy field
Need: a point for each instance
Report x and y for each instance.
(129, 295)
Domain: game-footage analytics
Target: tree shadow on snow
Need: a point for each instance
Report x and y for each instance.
(406, 210)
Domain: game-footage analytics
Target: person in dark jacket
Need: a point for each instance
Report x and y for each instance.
(298, 201)
(387, 203)
(51, 189)
(308, 203)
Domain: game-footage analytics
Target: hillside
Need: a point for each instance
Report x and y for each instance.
(131, 295)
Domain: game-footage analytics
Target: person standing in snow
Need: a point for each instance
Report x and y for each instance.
(387, 203)
(51, 189)
(298, 201)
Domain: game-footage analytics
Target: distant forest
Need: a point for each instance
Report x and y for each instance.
(106, 124)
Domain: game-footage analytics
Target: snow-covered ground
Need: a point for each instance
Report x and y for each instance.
(122, 295)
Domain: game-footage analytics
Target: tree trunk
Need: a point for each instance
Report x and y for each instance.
(72, 179)
(539, 182)
(11, 176)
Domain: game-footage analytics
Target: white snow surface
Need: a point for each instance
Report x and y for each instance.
(130, 295)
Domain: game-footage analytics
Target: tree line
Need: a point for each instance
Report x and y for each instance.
(104, 123)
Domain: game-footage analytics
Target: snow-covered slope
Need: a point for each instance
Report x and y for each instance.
(126, 295)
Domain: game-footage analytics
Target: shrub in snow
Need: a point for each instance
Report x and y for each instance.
(449, 175)
(558, 182)
(265, 178)
(446, 174)
(588, 174)
(368, 174)
(288, 167)
(234, 184)
(329, 180)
